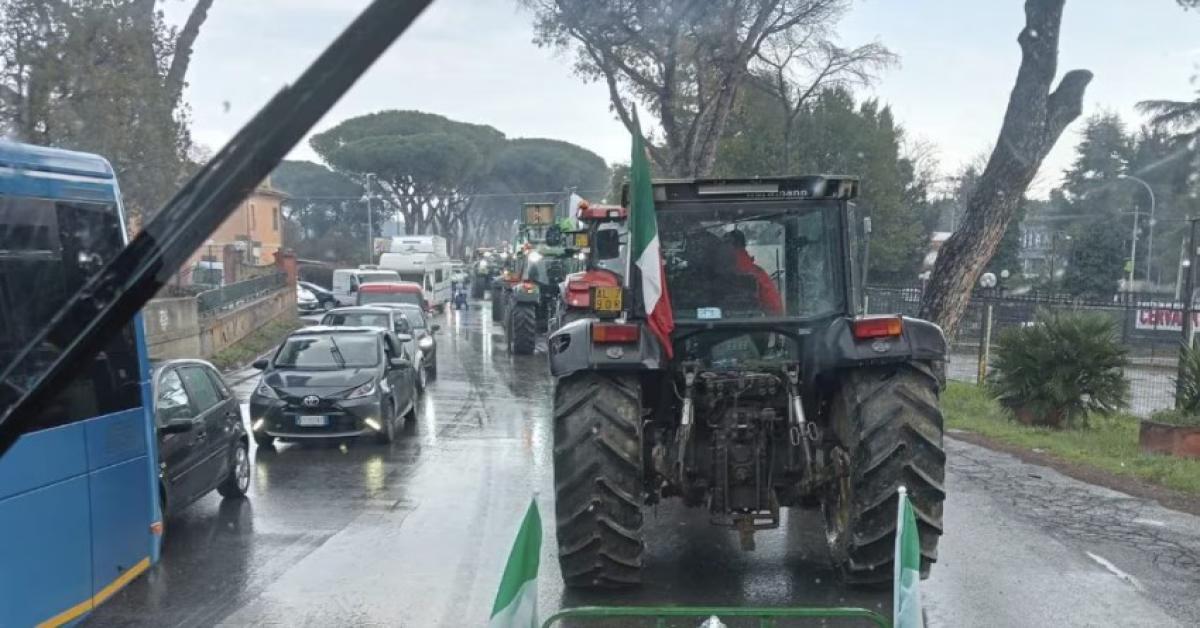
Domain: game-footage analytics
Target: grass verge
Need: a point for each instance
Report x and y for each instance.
(247, 349)
(1110, 445)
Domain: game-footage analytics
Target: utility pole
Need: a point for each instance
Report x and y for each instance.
(1185, 344)
(368, 196)
(1150, 236)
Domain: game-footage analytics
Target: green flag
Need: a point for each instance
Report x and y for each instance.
(906, 595)
(516, 601)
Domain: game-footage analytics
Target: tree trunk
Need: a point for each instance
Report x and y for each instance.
(183, 49)
(1034, 120)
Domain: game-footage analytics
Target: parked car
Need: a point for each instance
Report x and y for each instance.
(202, 443)
(390, 318)
(423, 333)
(391, 292)
(334, 382)
(325, 297)
(306, 301)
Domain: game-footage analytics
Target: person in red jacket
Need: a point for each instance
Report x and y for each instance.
(768, 295)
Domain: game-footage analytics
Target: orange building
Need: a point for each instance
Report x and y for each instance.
(258, 222)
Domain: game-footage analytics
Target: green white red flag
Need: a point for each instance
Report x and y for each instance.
(516, 601)
(645, 251)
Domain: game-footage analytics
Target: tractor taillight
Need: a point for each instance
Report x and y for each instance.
(867, 327)
(614, 333)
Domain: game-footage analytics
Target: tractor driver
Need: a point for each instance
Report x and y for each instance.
(768, 295)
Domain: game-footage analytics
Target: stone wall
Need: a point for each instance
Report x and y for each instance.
(172, 328)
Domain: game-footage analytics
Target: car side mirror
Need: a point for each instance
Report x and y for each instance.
(435, 327)
(400, 363)
(177, 426)
(261, 364)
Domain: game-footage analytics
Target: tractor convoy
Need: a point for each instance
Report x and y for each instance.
(776, 390)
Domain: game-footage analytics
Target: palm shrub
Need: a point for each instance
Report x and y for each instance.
(1187, 382)
(1059, 370)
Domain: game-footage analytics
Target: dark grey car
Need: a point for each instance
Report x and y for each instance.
(334, 382)
(202, 443)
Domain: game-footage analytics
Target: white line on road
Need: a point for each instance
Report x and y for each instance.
(1103, 562)
(1150, 522)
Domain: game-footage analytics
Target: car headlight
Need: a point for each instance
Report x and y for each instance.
(365, 390)
(264, 390)
(425, 342)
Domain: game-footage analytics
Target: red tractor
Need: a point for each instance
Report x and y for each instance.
(596, 290)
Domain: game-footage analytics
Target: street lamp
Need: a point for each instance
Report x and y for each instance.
(368, 194)
(1150, 236)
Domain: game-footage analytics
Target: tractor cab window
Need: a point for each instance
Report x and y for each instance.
(723, 265)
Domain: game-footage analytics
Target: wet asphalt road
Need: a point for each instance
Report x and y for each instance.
(416, 533)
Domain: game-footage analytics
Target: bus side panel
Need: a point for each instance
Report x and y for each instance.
(151, 434)
(47, 574)
(42, 458)
(121, 513)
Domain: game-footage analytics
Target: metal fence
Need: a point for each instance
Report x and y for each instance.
(231, 295)
(1149, 326)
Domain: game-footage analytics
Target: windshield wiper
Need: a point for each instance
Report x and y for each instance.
(115, 294)
(336, 351)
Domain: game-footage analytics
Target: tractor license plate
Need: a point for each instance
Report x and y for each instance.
(306, 420)
(581, 240)
(608, 299)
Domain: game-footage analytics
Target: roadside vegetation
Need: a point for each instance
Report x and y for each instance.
(1108, 443)
(251, 347)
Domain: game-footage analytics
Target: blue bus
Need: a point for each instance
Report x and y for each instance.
(79, 508)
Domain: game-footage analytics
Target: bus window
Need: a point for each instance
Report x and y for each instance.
(48, 250)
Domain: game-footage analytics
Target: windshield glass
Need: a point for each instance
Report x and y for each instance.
(356, 319)
(727, 265)
(818, 251)
(380, 277)
(367, 298)
(328, 351)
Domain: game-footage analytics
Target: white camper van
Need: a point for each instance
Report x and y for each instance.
(422, 259)
(430, 270)
(347, 280)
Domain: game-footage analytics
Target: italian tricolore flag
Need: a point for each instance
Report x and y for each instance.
(906, 595)
(516, 601)
(645, 251)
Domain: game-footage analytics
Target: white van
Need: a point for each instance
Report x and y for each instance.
(431, 270)
(347, 280)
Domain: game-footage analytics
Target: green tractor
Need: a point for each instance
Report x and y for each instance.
(533, 299)
(775, 391)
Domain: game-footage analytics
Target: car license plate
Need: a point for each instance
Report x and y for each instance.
(608, 299)
(307, 420)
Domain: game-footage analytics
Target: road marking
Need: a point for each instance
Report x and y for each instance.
(1103, 562)
(1150, 522)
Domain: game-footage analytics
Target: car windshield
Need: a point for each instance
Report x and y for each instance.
(733, 265)
(328, 351)
(398, 312)
(366, 298)
(357, 319)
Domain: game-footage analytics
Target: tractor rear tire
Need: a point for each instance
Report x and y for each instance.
(523, 327)
(888, 422)
(597, 480)
(497, 306)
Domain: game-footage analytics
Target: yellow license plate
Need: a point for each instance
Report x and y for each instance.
(581, 240)
(608, 299)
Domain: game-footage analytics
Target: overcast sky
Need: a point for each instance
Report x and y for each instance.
(474, 60)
